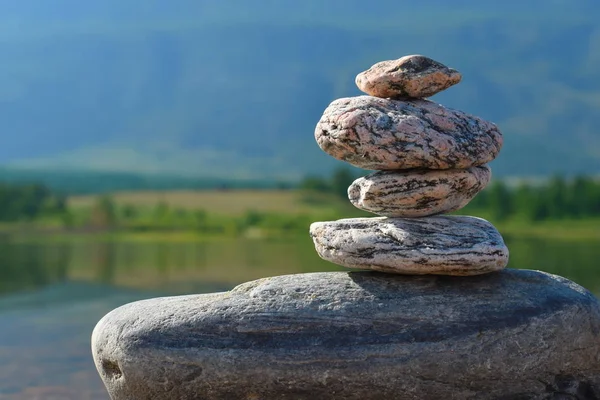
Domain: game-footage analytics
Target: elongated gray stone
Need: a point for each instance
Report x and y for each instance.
(358, 336)
(418, 193)
(409, 76)
(384, 134)
(443, 245)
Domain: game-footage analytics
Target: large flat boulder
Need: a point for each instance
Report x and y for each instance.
(359, 335)
(384, 134)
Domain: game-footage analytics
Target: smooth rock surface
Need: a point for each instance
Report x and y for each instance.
(443, 245)
(418, 193)
(358, 335)
(383, 134)
(409, 76)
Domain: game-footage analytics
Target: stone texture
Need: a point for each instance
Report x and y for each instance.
(384, 134)
(359, 335)
(418, 193)
(444, 245)
(409, 76)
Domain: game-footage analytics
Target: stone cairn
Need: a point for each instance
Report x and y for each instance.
(411, 334)
(431, 160)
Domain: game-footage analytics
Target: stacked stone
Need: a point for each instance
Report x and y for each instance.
(515, 334)
(430, 160)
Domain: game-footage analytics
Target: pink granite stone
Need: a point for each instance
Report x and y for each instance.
(386, 134)
(410, 76)
(418, 193)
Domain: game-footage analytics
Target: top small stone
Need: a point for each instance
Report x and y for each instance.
(410, 76)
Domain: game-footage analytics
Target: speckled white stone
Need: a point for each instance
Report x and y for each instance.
(418, 193)
(443, 245)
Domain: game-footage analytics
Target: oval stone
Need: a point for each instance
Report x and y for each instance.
(409, 76)
(385, 134)
(418, 193)
(358, 336)
(443, 245)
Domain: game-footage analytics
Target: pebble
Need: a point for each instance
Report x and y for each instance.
(410, 76)
(418, 193)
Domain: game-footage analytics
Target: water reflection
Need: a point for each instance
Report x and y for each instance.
(179, 267)
(31, 266)
(105, 262)
(164, 266)
(578, 260)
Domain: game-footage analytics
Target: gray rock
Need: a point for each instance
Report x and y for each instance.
(418, 193)
(383, 134)
(443, 245)
(360, 335)
(409, 76)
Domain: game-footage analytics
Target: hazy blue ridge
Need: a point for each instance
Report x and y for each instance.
(233, 89)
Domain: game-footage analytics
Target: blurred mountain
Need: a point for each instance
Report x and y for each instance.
(234, 88)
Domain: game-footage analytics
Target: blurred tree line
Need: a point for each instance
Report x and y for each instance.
(107, 214)
(554, 199)
(337, 184)
(75, 182)
(29, 202)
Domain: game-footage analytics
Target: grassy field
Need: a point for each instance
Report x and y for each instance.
(235, 203)
(225, 202)
(566, 229)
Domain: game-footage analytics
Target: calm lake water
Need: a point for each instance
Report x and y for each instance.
(52, 294)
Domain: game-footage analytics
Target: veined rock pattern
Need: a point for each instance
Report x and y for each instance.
(385, 134)
(418, 193)
(444, 245)
(430, 160)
